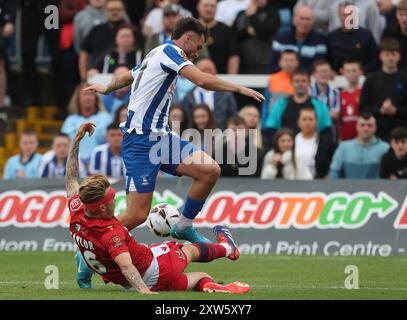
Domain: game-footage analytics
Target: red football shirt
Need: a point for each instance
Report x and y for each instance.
(102, 240)
(349, 113)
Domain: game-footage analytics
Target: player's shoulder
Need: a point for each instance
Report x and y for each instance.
(112, 227)
(75, 204)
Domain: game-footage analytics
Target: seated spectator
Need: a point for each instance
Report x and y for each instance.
(349, 43)
(222, 42)
(251, 117)
(398, 30)
(359, 158)
(394, 163)
(124, 53)
(384, 93)
(53, 163)
(239, 156)
(7, 21)
(106, 158)
(228, 10)
(120, 114)
(282, 162)
(25, 164)
(202, 119)
(280, 83)
(255, 28)
(320, 10)
(153, 22)
(93, 15)
(303, 39)
(368, 16)
(350, 97)
(321, 90)
(285, 112)
(102, 37)
(171, 14)
(117, 98)
(316, 150)
(88, 108)
(222, 104)
(177, 120)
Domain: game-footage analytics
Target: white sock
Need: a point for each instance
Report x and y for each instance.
(227, 247)
(184, 222)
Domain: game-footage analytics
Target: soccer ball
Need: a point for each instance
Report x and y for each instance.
(161, 218)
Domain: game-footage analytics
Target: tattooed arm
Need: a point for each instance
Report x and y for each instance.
(121, 81)
(72, 164)
(131, 273)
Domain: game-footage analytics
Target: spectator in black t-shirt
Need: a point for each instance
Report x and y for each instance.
(399, 31)
(125, 52)
(222, 41)
(387, 10)
(384, 93)
(394, 163)
(255, 29)
(345, 44)
(101, 37)
(285, 111)
(239, 155)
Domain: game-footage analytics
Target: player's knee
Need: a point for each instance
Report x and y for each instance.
(212, 174)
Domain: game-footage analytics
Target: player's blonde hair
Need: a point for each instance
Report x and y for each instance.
(93, 188)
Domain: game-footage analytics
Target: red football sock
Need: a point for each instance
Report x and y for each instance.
(210, 251)
(201, 283)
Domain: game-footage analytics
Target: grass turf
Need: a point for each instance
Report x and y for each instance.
(271, 277)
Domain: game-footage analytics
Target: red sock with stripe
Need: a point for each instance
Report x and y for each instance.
(199, 286)
(210, 251)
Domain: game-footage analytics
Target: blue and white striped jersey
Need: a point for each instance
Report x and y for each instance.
(105, 162)
(49, 167)
(153, 88)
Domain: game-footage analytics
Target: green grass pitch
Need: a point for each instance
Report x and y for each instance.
(271, 277)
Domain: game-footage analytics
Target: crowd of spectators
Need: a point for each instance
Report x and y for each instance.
(307, 128)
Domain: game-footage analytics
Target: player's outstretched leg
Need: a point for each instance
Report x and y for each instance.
(205, 172)
(224, 236)
(207, 252)
(84, 273)
(202, 282)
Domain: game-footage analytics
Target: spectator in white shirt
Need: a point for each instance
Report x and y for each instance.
(315, 150)
(282, 162)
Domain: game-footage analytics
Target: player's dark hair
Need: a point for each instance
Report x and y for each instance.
(398, 134)
(189, 24)
(390, 44)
